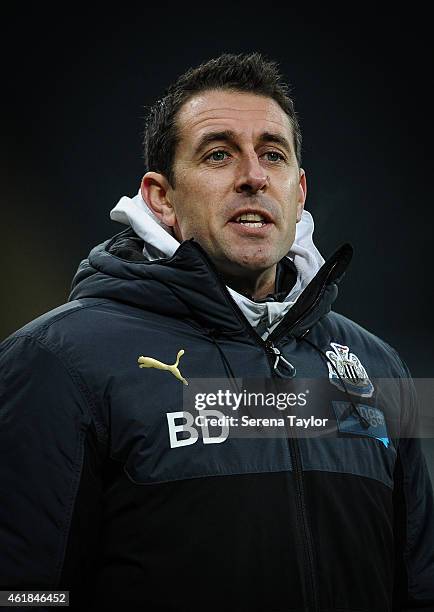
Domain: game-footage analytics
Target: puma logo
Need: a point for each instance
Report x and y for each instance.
(150, 362)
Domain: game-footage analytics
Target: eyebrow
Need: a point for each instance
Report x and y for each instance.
(277, 138)
(230, 137)
(210, 137)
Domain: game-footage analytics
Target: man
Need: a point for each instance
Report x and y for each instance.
(109, 489)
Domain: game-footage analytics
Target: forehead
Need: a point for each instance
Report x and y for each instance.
(245, 114)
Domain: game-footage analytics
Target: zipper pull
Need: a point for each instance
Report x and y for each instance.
(279, 357)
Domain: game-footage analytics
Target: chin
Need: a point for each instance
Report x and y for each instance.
(236, 260)
(255, 262)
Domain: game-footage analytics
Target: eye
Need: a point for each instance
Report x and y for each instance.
(217, 156)
(274, 156)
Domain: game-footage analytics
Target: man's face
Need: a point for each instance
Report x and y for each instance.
(238, 188)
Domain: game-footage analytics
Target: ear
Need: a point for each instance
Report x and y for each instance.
(302, 191)
(155, 190)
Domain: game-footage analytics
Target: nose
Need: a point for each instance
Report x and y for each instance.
(252, 177)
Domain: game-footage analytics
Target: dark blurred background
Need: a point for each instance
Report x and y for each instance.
(75, 88)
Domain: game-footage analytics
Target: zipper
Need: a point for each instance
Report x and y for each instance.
(311, 593)
(274, 358)
(312, 590)
(282, 329)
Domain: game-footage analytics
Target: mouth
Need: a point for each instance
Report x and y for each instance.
(252, 218)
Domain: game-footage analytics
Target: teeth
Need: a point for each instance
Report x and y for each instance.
(251, 217)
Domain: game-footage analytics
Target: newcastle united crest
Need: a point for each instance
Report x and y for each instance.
(347, 367)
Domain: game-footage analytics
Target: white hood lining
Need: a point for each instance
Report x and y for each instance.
(159, 243)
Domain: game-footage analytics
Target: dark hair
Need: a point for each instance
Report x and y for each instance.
(244, 72)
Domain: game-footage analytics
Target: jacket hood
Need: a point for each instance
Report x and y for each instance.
(159, 241)
(187, 284)
(298, 267)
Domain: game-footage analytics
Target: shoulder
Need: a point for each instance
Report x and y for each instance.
(67, 335)
(52, 317)
(68, 322)
(55, 357)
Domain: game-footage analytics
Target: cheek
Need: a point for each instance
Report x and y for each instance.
(194, 214)
(199, 201)
(291, 198)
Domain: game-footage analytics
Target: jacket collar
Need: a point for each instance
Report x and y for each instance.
(187, 285)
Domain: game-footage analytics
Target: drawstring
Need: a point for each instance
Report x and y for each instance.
(213, 333)
(353, 407)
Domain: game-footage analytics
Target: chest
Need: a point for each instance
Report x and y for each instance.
(235, 416)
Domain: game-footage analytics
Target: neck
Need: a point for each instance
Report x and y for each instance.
(255, 286)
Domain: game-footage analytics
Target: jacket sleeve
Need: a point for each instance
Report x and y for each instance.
(413, 515)
(46, 447)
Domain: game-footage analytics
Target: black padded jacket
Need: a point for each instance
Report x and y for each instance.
(102, 495)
